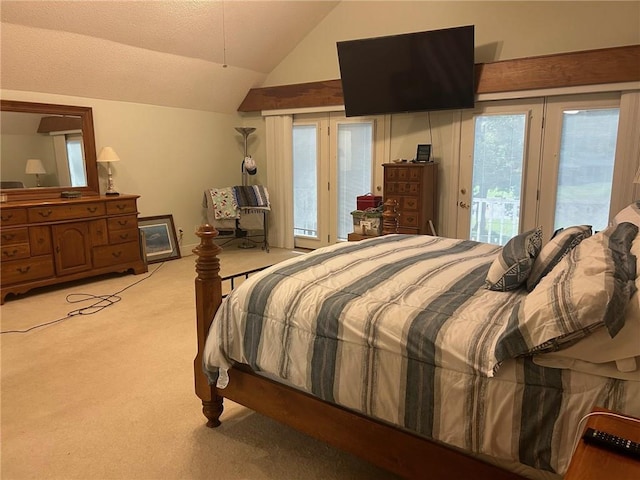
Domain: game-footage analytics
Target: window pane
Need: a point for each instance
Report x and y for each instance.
(354, 170)
(305, 180)
(498, 156)
(76, 162)
(585, 172)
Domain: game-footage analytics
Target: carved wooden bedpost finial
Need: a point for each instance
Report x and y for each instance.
(390, 217)
(208, 299)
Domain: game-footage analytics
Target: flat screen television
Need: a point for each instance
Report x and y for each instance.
(421, 71)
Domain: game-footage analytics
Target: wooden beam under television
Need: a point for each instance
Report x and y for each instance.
(588, 67)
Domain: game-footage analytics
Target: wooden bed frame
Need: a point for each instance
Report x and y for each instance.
(386, 446)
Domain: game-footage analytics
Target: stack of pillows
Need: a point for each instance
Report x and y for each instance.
(577, 283)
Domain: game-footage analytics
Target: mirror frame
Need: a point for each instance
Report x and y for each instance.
(89, 143)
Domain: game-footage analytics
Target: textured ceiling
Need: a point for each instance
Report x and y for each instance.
(158, 52)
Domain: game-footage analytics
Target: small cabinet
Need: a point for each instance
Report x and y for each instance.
(72, 247)
(414, 187)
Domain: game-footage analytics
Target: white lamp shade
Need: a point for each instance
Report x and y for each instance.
(107, 154)
(34, 166)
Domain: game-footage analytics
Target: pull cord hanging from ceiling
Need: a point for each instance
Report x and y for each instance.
(224, 40)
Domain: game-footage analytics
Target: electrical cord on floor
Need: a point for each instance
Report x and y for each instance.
(103, 301)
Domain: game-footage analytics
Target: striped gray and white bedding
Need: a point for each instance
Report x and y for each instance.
(401, 328)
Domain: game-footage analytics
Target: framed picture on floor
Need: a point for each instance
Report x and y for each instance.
(159, 240)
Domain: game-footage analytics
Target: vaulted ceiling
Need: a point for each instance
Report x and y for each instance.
(193, 54)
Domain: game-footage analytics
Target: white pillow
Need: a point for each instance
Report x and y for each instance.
(630, 213)
(599, 348)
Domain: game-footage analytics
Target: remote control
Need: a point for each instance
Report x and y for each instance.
(612, 442)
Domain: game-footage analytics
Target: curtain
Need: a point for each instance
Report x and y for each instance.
(280, 179)
(627, 153)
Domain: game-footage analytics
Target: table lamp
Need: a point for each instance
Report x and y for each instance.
(108, 155)
(35, 167)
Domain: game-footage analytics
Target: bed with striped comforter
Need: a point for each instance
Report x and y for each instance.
(401, 328)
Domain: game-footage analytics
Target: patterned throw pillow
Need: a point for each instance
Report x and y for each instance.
(513, 265)
(561, 244)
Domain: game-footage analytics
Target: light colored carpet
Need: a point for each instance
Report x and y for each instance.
(110, 395)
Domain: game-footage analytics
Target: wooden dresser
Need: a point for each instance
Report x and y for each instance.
(49, 242)
(414, 187)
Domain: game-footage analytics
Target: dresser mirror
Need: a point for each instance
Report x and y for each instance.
(46, 149)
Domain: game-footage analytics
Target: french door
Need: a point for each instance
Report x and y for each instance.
(335, 159)
(545, 162)
(578, 159)
(499, 167)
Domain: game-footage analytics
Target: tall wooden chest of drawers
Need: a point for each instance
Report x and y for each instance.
(44, 243)
(414, 187)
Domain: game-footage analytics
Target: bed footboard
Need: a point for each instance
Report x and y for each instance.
(208, 286)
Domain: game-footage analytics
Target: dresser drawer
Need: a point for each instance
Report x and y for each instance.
(122, 236)
(14, 235)
(407, 188)
(66, 212)
(40, 240)
(13, 216)
(409, 219)
(98, 231)
(121, 206)
(410, 203)
(126, 222)
(108, 255)
(407, 230)
(34, 268)
(14, 252)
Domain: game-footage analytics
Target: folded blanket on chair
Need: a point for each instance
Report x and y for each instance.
(222, 201)
(252, 196)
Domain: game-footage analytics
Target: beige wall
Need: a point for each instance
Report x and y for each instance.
(503, 30)
(169, 156)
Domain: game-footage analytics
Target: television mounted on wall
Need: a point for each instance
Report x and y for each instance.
(421, 71)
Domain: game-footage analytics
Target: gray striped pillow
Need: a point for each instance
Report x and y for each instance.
(560, 244)
(512, 266)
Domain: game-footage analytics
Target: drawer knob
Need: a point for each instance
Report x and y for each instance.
(117, 254)
(24, 270)
(45, 214)
(121, 206)
(92, 209)
(10, 254)
(8, 236)
(124, 236)
(123, 223)
(6, 217)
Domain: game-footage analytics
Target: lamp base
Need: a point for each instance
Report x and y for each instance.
(111, 194)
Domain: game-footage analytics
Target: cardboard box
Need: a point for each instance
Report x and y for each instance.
(368, 201)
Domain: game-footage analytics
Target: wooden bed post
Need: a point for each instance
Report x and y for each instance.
(208, 298)
(390, 217)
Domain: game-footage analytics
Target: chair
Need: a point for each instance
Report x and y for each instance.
(11, 184)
